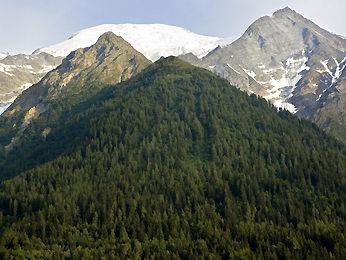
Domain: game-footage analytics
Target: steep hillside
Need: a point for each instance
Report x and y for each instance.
(175, 163)
(108, 62)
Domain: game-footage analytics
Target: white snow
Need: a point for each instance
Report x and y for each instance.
(7, 69)
(4, 68)
(275, 92)
(3, 108)
(28, 67)
(285, 105)
(320, 95)
(3, 55)
(325, 65)
(45, 69)
(339, 69)
(340, 66)
(269, 71)
(250, 73)
(7, 99)
(284, 87)
(233, 69)
(153, 40)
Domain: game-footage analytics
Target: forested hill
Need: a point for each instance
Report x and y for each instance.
(175, 163)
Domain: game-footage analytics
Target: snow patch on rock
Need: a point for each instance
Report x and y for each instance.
(340, 67)
(250, 73)
(7, 69)
(45, 69)
(284, 87)
(229, 66)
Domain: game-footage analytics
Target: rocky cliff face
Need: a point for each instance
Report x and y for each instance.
(288, 60)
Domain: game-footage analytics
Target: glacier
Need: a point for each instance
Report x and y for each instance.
(152, 40)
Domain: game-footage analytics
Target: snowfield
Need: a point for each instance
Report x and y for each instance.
(152, 40)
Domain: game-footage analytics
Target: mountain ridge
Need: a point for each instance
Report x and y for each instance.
(287, 59)
(109, 61)
(153, 40)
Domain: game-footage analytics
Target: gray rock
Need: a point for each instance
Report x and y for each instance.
(19, 72)
(291, 62)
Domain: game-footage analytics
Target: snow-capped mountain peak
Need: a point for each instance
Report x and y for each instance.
(153, 40)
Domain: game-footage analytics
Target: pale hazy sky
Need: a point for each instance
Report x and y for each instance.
(29, 24)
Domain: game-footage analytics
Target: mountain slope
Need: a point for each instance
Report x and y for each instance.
(287, 59)
(18, 72)
(108, 62)
(153, 40)
(329, 111)
(176, 163)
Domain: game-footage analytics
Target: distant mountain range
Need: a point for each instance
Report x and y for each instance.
(18, 72)
(284, 58)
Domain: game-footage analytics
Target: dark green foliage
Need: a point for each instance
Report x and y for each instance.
(174, 163)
